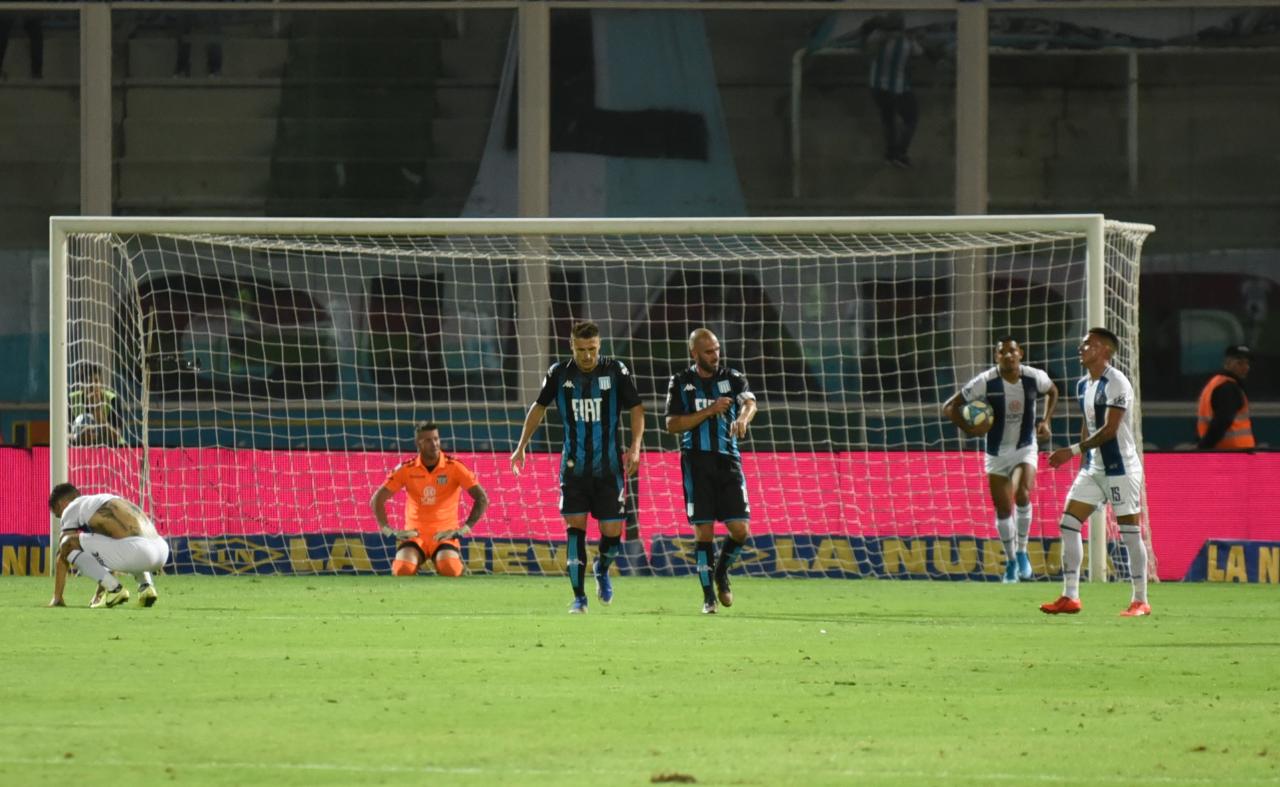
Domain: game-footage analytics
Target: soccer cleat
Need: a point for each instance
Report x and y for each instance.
(114, 598)
(99, 598)
(604, 584)
(1024, 566)
(1136, 609)
(147, 595)
(708, 607)
(723, 592)
(579, 606)
(1062, 606)
(1010, 572)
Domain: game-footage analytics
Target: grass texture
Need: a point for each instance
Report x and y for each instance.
(485, 680)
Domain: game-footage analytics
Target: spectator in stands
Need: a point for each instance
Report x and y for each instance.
(31, 23)
(1223, 412)
(183, 25)
(93, 412)
(891, 48)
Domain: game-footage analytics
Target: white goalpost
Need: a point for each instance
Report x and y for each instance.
(251, 381)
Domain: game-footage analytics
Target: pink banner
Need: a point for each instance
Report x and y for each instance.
(211, 491)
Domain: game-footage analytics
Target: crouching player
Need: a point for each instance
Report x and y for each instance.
(101, 534)
(432, 481)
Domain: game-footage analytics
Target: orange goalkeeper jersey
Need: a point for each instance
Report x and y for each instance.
(432, 504)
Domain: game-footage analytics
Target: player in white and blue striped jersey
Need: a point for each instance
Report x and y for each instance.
(1012, 389)
(1110, 473)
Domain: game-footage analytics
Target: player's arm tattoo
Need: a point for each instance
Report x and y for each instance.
(115, 523)
(480, 502)
(1106, 432)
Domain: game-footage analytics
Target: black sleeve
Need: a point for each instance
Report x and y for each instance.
(628, 396)
(549, 384)
(675, 402)
(1225, 401)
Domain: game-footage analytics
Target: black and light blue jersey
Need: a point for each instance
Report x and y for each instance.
(591, 405)
(688, 392)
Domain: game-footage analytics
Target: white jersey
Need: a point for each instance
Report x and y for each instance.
(1012, 403)
(78, 512)
(1119, 455)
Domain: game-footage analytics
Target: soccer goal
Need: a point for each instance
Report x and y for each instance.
(251, 381)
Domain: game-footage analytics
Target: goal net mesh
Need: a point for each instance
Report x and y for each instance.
(252, 391)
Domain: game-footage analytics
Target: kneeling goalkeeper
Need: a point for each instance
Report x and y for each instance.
(432, 481)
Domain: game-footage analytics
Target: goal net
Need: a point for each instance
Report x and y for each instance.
(251, 382)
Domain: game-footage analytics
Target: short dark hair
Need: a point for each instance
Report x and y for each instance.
(1240, 351)
(1008, 337)
(427, 426)
(585, 330)
(1110, 338)
(65, 489)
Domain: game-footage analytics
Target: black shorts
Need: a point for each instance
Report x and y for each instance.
(602, 498)
(714, 488)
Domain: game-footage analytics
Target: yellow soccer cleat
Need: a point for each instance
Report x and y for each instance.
(114, 598)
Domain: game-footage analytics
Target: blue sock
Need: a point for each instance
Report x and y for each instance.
(577, 549)
(704, 551)
(729, 552)
(608, 551)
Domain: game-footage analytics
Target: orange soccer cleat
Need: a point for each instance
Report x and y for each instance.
(1062, 606)
(1136, 609)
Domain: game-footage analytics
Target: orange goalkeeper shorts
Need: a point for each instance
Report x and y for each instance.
(429, 545)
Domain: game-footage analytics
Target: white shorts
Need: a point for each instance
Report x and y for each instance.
(1122, 492)
(126, 554)
(1003, 464)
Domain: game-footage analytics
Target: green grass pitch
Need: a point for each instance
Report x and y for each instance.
(486, 680)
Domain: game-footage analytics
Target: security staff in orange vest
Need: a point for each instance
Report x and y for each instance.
(1223, 423)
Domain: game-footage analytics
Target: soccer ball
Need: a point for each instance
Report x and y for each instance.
(81, 424)
(977, 414)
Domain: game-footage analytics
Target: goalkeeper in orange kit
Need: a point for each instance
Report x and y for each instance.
(432, 481)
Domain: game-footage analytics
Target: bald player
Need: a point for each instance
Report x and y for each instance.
(711, 406)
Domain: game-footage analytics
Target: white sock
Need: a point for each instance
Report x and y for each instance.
(1005, 528)
(1072, 556)
(1132, 537)
(94, 568)
(1023, 518)
(143, 577)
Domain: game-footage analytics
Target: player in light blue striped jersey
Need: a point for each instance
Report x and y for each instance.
(711, 408)
(592, 393)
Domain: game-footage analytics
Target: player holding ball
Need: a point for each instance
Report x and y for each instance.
(1011, 390)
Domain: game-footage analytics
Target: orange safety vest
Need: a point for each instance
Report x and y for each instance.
(1240, 434)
